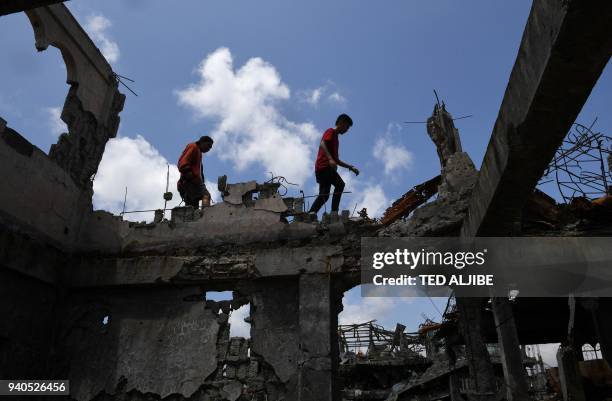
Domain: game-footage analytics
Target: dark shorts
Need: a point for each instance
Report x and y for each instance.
(193, 193)
(329, 176)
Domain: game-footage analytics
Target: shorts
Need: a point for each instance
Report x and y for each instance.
(192, 193)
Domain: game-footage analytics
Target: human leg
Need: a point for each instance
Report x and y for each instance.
(323, 178)
(338, 183)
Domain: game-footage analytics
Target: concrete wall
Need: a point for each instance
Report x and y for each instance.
(48, 196)
(163, 341)
(38, 196)
(45, 198)
(220, 224)
(157, 342)
(27, 308)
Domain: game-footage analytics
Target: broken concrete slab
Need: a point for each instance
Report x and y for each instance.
(237, 192)
(274, 203)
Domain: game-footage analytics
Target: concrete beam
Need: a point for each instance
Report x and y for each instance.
(564, 49)
(228, 266)
(15, 6)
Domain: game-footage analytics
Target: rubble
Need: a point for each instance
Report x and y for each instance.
(120, 307)
(412, 199)
(444, 215)
(373, 359)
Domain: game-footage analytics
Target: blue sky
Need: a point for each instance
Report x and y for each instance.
(384, 59)
(306, 62)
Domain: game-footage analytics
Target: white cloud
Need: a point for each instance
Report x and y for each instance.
(393, 155)
(250, 130)
(135, 163)
(56, 124)
(374, 199)
(363, 194)
(365, 309)
(314, 96)
(238, 327)
(97, 26)
(337, 98)
(358, 309)
(212, 187)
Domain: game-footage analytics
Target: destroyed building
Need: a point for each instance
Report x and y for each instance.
(120, 310)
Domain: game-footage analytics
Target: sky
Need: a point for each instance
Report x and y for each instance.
(266, 78)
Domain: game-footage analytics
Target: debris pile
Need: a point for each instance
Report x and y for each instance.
(445, 214)
(412, 199)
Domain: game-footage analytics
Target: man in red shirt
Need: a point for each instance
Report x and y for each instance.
(327, 163)
(191, 184)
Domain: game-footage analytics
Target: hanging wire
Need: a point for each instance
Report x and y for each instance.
(281, 181)
(120, 80)
(425, 122)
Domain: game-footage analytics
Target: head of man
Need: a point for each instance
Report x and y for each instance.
(205, 143)
(343, 123)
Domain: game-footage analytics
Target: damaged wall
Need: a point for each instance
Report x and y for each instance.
(172, 341)
(45, 198)
(38, 196)
(154, 341)
(27, 308)
(45, 195)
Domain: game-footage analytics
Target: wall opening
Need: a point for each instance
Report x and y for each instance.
(240, 322)
(239, 314)
(33, 84)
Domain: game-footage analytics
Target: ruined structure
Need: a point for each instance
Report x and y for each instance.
(373, 359)
(120, 310)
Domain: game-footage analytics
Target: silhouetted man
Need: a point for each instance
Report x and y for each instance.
(191, 185)
(327, 163)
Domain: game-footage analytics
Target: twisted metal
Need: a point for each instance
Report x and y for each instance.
(580, 167)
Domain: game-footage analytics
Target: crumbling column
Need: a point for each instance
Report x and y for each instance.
(443, 133)
(510, 352)
(454, 388)
(569, 376)
(482, 376)
(317, 331)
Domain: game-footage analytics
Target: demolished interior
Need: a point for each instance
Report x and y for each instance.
(117, 308)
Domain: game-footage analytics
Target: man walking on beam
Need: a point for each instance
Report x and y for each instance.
(327, 163)
(191, 184)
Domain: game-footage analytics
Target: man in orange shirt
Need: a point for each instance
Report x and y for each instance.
(191, 185)
(327, 163)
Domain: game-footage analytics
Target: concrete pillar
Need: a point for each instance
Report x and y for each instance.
(482, 374)
(569, 375)
(454, 388)
(510, 351)
(318, 325)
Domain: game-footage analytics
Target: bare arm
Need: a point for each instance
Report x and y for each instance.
(333, 162)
